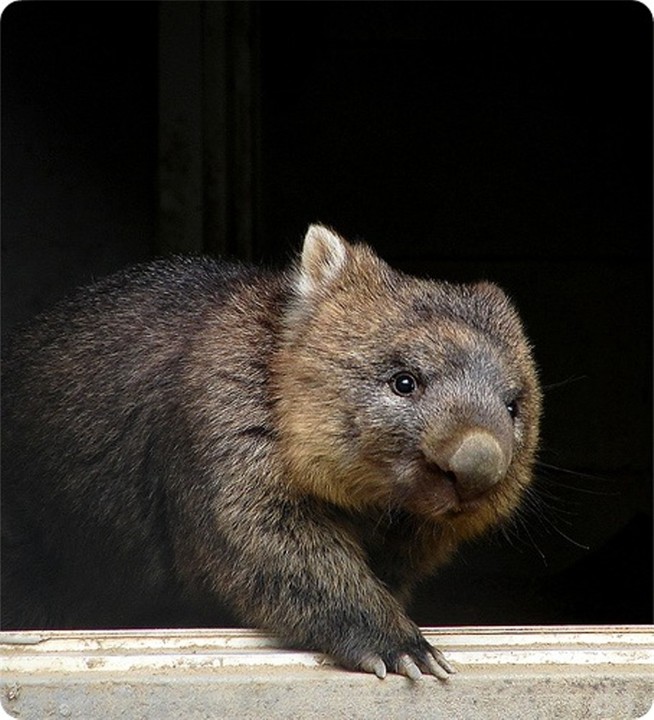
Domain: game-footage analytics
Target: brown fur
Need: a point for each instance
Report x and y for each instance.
(190, 435)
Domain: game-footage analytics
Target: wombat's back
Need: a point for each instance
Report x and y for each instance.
(101, 415)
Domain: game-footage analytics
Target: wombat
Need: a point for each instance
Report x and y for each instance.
(298, 447)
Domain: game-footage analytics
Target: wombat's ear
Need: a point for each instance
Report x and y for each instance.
(324, 254)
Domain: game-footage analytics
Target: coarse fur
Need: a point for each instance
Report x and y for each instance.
(190, 436)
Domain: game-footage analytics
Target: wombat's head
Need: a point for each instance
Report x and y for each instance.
(404, 394)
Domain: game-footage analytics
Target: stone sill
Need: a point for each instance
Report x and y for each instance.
(516, 672)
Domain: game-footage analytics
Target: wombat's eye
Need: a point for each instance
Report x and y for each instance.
(512, 407)
(403, 384)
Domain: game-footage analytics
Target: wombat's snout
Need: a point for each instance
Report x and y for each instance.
(475, 463)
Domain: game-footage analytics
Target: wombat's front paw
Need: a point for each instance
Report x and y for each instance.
(412, 660)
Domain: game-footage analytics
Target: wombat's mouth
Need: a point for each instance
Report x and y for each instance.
(427, 490)
(469, 506)
(438, 493)
(466, 506)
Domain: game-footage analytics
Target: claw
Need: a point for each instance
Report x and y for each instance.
(374, 664)
(442, 661)
(438, 666)
(406, 666)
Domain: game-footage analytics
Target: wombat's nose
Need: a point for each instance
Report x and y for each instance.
(477, 463)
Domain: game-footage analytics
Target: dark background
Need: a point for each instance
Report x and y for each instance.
(507, 141)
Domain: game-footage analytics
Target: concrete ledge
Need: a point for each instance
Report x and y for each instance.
(531, 673)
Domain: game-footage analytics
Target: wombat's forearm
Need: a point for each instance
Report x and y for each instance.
(305, 579)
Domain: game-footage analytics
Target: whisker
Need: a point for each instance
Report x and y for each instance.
(556, 503)
(572, 541)
(585, 491)
(517, 528)
(563, 383)
(567, 471)
(534, 501)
